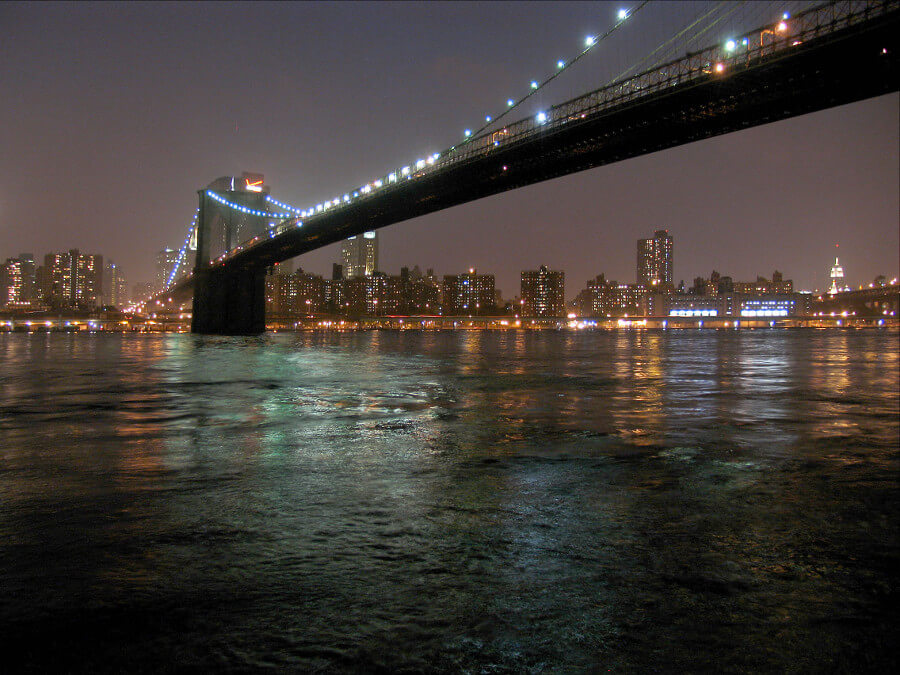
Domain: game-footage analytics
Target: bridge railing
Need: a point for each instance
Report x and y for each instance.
(743, 51)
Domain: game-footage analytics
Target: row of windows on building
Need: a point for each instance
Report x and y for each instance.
(66, 280)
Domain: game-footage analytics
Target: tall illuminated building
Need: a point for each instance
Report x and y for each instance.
(470, 293)
(11, 282)
(115, 289)
(28, 276)
(165, 264)
(359, 255)
(837, 277)
(543, 292)
(73, 279)
(654, 261)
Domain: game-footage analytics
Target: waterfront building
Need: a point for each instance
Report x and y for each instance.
(763, 286)
(375, 295)
(384, 294)
(291, 296)
(28, 271)
(73, 279)
(420, 294)
(738, 305)
(11, 282)
(654, 261)
(469, 293)
(359, 255)
(602, 298)
(543, 292)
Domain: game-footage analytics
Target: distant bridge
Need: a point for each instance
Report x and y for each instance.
(830, 55)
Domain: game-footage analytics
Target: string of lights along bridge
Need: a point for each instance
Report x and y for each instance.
(776, 33)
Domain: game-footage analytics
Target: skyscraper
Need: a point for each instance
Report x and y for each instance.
(359, 255)
(28, 276)
(73, 279)
(543, 292)
(654, 261)
(837, 277)
(115, 290)
(11, 282)
(165, 264)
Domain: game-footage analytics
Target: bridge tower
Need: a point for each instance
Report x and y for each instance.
(229, 301)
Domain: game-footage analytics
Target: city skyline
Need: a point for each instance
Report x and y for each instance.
(837, 169)
(166, 258)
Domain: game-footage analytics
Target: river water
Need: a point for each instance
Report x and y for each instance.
(450, 502)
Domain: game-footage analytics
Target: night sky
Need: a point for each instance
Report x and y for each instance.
(113, 115)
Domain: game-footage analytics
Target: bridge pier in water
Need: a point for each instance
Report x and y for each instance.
(228, 300)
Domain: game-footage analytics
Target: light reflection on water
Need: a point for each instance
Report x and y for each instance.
(516, 501)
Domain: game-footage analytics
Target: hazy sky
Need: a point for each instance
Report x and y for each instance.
(113, 115)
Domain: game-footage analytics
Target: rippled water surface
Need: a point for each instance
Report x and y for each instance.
(464, 502)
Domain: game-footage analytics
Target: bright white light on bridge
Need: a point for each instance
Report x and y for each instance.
(782, 27)
(534, 84)
(720, 68)
(623, 14)
(786, 16)
(467, 133)
(541, 117)
(510, 102)
(378, 184)
(730, 45)
(405, 171)
(560, 64)
(589, 41)
(487, 118)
